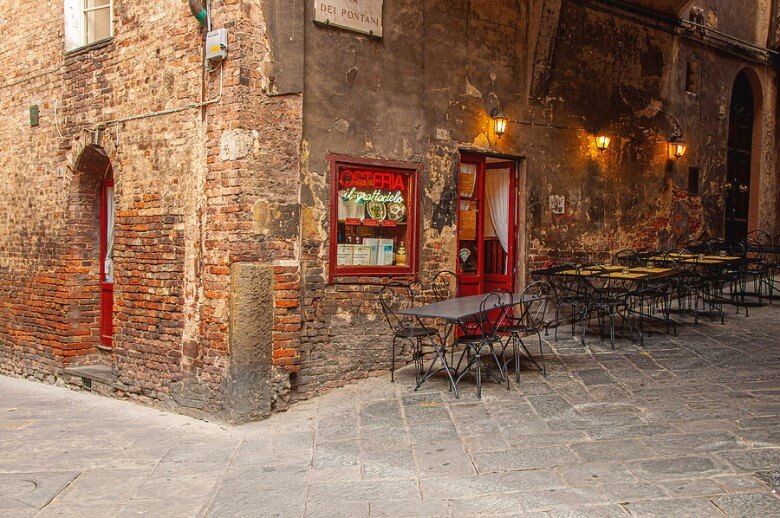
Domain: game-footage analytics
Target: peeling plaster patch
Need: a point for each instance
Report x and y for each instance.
(472, 90)
(276, 219)
(311, 224)
(351, 75)
(344, 316)
(341, 125)
(440, 168)
(481, 140)
(236, 144)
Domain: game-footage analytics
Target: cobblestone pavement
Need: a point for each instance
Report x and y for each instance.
(686, 427)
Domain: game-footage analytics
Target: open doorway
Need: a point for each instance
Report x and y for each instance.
(487, 223)
(740, 157)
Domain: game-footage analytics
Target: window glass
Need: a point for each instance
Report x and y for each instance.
(97, 20)
(109, 259)
(375, 218)
(468, 214)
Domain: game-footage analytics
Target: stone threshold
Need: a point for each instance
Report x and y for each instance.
(102, 374)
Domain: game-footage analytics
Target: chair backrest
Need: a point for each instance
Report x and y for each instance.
(697, 246)
(600, 283)
(445, 285)
(534, 314)
(493, 311)
(626, 257)
(734, 248)
(757, 239)
(394, 299)
(566, 284)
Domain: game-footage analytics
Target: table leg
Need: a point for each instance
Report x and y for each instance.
(440, 354)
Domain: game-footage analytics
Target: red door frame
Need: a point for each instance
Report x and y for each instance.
(507, 280)
(473, 284)
(106, 288)
(468, 283)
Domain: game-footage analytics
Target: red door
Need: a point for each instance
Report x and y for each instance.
(107, 261)
(487, 224)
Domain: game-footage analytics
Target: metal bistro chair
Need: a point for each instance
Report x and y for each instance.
(445, 285)
(490, 320)
(570, 291)
(532, 319)
(404, 328)
(605, 298)
(758, 242)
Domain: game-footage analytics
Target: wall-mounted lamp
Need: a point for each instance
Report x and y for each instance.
(677, 147)
(499, 121)
(602, 142)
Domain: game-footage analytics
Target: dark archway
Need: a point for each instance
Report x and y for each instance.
(740, 159)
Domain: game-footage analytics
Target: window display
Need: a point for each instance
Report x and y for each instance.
(373, 217)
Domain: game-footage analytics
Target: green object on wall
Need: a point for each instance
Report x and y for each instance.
(198, 11)
(34, 115)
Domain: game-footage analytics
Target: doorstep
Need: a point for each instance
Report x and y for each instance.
(89, 374)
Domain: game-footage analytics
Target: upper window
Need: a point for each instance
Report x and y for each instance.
(373, 229)
(97, 20)
(87, 21)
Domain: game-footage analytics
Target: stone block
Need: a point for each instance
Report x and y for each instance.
(247, 385)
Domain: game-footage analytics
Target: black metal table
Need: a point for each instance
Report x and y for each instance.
(456, 312)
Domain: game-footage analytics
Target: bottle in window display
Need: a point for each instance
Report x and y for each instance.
(400, 255)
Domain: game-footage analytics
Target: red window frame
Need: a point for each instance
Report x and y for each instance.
(410, 169)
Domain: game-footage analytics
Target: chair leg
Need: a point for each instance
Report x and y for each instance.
(478, 361)
(516, 353)
(611, 328)
(392, 363)
(541, 355)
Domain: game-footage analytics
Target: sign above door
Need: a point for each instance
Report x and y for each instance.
(364, 16)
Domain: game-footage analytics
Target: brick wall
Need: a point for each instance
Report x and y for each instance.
(187, 189)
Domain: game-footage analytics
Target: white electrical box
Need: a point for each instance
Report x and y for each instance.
(216, 45)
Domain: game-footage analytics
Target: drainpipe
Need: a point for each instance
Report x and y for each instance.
(200, 12)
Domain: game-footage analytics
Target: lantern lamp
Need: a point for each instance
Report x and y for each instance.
(499, 121)
(602, 142)
(677, 147)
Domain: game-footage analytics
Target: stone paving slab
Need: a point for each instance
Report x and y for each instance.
(686, 426)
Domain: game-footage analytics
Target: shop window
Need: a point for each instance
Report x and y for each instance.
(87, 21)
(373, 231)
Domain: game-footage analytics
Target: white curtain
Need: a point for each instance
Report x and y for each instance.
(109, 262)
(497, 197)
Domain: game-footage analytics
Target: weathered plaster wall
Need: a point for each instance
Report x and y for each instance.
(425, 90)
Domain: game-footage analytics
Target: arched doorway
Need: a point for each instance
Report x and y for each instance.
(89, 260)
(740, 157)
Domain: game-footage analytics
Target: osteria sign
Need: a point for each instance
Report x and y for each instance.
(363, 16)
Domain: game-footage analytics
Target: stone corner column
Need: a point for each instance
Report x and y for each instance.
(247, 389)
